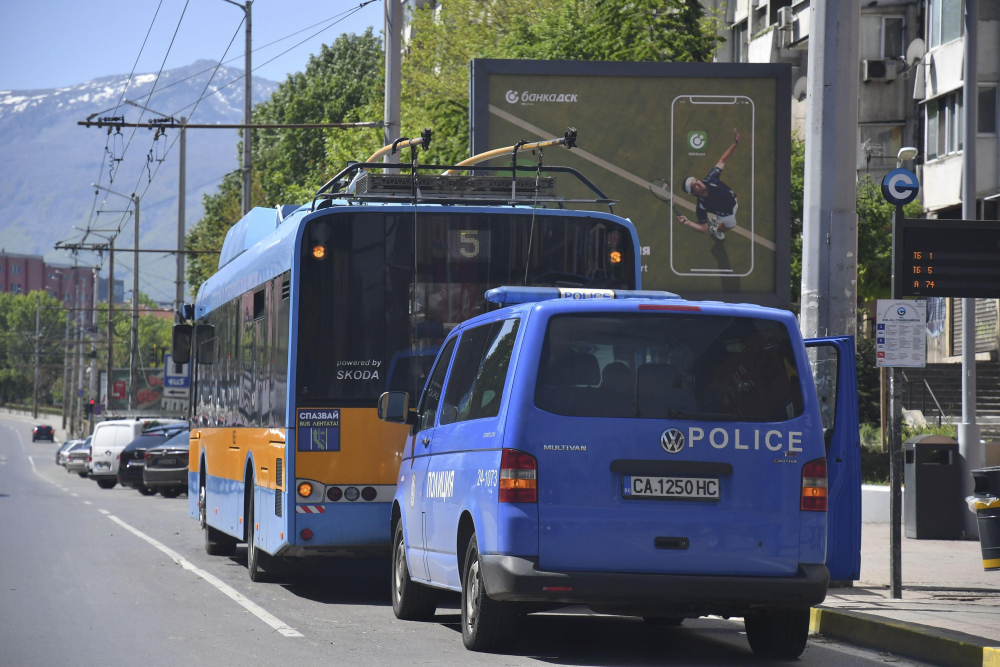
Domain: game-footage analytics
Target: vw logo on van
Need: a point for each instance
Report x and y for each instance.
(672, 440)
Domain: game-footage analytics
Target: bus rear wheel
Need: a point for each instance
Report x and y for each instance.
(218, 543)
(254, 560)
(410, 601)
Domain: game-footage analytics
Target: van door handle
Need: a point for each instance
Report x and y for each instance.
(425, 441)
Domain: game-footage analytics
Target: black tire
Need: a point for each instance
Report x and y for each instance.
(487, 625)
(146, 490)
(218, 543)
(82, 474)
(107, 483)
(254, 561)
(411, 601)
(169, 492)
(663, 621)
(779, 635)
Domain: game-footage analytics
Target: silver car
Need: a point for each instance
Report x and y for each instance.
(63, 451)
(77, 457)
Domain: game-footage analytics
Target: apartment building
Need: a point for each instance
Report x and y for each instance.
(21, 274)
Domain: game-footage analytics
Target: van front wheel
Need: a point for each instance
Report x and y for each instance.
(410, 601)
(778, 634)
(487, 624)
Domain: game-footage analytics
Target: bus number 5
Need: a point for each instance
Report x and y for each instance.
(469, 242)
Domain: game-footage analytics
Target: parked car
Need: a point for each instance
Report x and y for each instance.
(132, 458)
(110, 438)
(43, 432)
(166, 466)
(77, 456)
(63, 451)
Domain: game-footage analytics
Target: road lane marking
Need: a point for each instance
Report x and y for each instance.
(104, 512)
(226, 590)
(74, 495)
(87, 502)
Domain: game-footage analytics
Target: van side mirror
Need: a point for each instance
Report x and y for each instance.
(205, 335)
(394, 407)
(180, 345)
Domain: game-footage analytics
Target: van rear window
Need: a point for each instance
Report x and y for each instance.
(669, 366)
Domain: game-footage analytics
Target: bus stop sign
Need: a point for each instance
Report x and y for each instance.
(900, 186)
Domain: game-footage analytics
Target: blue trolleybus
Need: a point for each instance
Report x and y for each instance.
(316, 310)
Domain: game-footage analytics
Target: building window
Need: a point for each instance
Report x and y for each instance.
(945, 22)
(740, 42)
(15, 268)
(881, 37)
(986, 114)
(944, 126)
(879, 146)
(15, 288)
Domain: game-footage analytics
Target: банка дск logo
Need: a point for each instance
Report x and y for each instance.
(513, 97)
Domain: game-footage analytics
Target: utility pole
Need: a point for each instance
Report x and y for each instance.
(65, 396)
(75, 338)
(181, 203)
(79, 355)
(969, 446)
(830, 228)
(94, 384)
(38, 352)
(393, 11)
(133, 358)
(111, 324)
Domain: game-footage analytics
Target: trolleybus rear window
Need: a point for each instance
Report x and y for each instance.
(378, 299)
(669, 367)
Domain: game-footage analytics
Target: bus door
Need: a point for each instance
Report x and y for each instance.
(833, 367)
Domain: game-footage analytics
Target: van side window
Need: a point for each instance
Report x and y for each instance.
(432, 394)
(476, 385)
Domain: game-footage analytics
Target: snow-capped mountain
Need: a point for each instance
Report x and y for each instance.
(47, 161)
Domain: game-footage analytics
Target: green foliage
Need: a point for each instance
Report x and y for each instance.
(869, 381)
(875, 462)
(17, 344)
(798, 182)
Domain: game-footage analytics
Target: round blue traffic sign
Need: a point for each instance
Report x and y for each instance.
(900, 187)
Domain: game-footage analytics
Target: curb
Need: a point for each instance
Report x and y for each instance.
(913, 640)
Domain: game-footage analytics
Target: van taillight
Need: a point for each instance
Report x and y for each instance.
(518, 477)
(814, 486)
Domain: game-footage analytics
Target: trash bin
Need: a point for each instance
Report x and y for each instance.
(932, 503)
(986, 504)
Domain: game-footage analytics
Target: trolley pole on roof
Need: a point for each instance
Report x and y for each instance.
(969, 447)
(830, 225)
(393, 11)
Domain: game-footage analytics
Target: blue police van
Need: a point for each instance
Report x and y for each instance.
(626, 450)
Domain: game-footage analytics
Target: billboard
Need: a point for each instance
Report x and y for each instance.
(697, 154)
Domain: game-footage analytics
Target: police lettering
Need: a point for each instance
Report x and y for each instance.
(719, 438)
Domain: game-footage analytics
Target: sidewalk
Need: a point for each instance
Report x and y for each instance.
(949, 613)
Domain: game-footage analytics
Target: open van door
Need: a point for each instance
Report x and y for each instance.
(833, 367)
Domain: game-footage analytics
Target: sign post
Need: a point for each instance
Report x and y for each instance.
(899, 187)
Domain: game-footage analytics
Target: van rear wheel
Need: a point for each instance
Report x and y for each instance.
(107, 483)
(487, 624)
(780, 634)
(410, 601)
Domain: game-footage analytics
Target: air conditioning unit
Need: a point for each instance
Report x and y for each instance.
(879, 70)
(786, 17)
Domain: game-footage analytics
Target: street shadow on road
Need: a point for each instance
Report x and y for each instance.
(359, 581)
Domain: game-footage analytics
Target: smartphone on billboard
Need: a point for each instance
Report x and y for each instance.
(712, 185)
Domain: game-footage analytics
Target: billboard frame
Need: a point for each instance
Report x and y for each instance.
(480, 70)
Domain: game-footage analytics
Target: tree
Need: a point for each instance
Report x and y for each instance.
(17, 344)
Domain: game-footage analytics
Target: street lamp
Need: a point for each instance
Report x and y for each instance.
(133, 355)
(906, 153)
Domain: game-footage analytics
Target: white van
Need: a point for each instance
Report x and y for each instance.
(108, 441)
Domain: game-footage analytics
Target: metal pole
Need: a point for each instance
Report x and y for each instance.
(80, 364)
(393, 16)
(247, 110)
(830, 228)
(182, 180)
(38, 352)
(65, 396)
(895, 452)
(95, 386)
(969, 447)
(73, 383)
(133, 358)
(111, 324)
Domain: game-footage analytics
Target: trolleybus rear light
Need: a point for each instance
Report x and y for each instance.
(305, 489)
(334, 493)
(369, 493)
(306, 534)
(352, 493)
(518, 477)
(814, 486)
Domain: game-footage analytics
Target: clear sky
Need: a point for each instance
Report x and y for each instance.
(51, 43)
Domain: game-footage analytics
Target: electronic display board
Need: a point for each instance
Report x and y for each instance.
(696, 154)
(948, 258)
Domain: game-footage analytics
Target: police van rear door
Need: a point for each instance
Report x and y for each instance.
(832, 362)
(672, 442)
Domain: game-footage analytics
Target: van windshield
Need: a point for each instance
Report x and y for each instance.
(669, 366)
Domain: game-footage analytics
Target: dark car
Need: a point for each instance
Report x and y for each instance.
(166, 468)
(132, 458)
(43, 432)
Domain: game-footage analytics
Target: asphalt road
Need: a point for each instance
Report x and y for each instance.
(96, 577)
